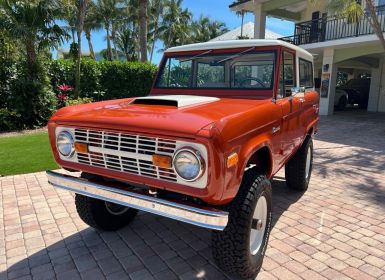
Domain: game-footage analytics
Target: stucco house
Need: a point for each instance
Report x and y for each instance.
(337, 44)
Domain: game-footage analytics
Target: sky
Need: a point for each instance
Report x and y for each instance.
(215, 9)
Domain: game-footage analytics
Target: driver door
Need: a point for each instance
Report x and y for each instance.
(291, 105)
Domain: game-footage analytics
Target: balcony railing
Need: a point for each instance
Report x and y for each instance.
(333, 28)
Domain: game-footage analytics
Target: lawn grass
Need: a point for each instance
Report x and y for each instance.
(25, 154)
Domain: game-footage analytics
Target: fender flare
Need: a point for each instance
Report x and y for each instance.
(251, 151)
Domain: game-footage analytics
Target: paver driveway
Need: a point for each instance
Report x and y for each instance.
(335, 230)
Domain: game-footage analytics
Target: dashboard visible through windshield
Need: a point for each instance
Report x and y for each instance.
(244, 70)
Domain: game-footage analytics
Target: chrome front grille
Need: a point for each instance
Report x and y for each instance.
(125, 152)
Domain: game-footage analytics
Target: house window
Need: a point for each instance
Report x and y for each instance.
(305, 73)
(381, 2)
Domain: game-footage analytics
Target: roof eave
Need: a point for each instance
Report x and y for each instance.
(234, 5)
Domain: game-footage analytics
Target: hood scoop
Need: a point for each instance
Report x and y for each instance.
(177, 101)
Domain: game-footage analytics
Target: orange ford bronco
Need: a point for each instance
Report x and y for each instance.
(221, 119)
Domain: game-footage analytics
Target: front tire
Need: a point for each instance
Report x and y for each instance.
(298, 169)
(101, 214)
(240, 248)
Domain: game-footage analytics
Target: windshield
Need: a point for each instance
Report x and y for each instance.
(245, 70)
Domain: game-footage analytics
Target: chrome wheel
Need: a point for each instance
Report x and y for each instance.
(258, 225)
(308, 162)
(115, 209)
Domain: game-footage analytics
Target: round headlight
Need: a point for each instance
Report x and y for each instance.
(65, 144)
(188, 164)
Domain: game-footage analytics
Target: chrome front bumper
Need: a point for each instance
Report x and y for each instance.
(200, 216)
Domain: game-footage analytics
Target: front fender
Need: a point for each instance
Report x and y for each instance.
(234, 174)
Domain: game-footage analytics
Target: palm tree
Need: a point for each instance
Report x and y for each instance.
(178, 22)
(143, 29)
(204, 29)
(109, 12)
(156, 26)
(354, 12)
(217, 28)
(126, 41)
(242, 15)
(34, 24)
(69, 9)
(91, 23)
(200, 29)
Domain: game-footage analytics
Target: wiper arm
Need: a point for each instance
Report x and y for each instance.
(236, 55)
(196, 56)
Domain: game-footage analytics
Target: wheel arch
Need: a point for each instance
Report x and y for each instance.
(262, 159)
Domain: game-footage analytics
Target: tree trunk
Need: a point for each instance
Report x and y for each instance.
(90, 46)
(73, 35)
(77, 71)
(31, 52)
(109, 51)
(31, 57)
(81, 14)
(373, 19)
(154, 38)
(113, 38)
(143, 30)
(243, 18)
(126, 52)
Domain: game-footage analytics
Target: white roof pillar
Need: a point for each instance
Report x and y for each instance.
(259, 22)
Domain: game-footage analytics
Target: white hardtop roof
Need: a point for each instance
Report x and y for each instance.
(230, 44)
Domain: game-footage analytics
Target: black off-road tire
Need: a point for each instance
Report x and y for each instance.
(342, 103)
(295, 170)
(94, 212)
(231, 247)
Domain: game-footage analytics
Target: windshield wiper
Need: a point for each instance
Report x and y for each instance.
(196, 56)
(236, 55)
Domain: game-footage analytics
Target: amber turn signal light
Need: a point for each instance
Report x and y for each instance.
(81, 147)
(162, 161)
(232, 160)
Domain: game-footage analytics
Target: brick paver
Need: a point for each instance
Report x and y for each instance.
(336, 230)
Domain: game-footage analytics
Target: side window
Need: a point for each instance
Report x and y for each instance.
(305, 73)
(287, 78)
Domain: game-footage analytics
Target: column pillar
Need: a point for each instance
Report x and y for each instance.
(259, 22)
(381, 95)
(328, 82)
(375, 88)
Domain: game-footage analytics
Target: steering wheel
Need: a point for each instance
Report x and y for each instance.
(251, 79)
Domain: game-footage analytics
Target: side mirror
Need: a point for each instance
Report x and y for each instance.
(297, 90)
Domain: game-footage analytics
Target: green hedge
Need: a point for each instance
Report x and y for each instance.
(105, 79)
(26, 103)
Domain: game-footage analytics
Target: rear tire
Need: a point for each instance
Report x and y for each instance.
(240, 248)
(298, 169)
(101, 214)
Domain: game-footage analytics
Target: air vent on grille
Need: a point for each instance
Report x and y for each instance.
(125, 152)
